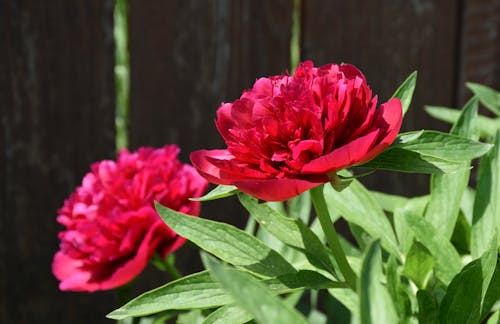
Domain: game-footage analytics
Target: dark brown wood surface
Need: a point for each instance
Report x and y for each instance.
(183, 68)
(188, 56)
(480, 45)
(388, 40)
(57, 116)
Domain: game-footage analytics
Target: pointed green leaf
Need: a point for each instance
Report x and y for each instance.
(418, 265)
(415, 207)
(464, 296)
(198, 290)
(487, 126)
(290, 231)
(227, 242)
(358, 206)
(443, 146)
(401, 160)
(461, 235)
(252, 295)
(488, 97)
(448, 262)
(447, 190)
(217, 193)
(375, 302)
(405, 91)
(486, 213)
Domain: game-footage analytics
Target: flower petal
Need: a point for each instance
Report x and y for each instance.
(389, 115)
(207, 169)
(344, 156)
(275, 189)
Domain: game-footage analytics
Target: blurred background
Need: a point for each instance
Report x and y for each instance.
(58, 99)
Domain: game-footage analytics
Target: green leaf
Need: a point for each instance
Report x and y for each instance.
(290, 231)
(348, 298)
(405, 91)
(415, 207)
(396, 289)
(427, 307)
(198, 290)
(398, 159)
(464, 296)
(217, 193)
(447, 190)
(418, 265)
(299, 207)
(358, 206)
(252, 295)
(375, 302)
(443, 146)
(387, 201)
(487, 126)
(233, 314)
(193, 317)
(492, 297)
(466, 124)
(461, 235)
(448, 262)
(494, 319)
(227, 242)
(486, 212)
(488, 97)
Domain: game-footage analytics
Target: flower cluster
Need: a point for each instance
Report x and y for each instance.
(112, 229)
(289, 134)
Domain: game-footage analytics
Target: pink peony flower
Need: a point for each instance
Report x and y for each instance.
(289, 134)
(112, 228)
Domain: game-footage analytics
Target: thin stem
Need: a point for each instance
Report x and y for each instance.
(122, 72)
(295, 35)
(170, 268)
(332, 238)
(166, 265)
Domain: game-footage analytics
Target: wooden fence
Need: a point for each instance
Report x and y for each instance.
(57, 100)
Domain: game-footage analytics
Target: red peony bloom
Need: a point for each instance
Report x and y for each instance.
(289, 133)
(112, 228)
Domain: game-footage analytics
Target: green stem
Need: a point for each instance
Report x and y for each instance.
(170, 268)
(332, 238)
(122, 72)
(295, 35)
(166, 265)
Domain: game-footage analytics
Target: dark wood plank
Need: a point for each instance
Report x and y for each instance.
(189, 56)
(57, 111)
(480, 45)
(387, 40)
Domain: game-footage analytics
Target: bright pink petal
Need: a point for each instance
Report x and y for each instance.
(133, 267)
(275, 189)
(69, 272)
(389, 116)
(344, 156)
(207, 169)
